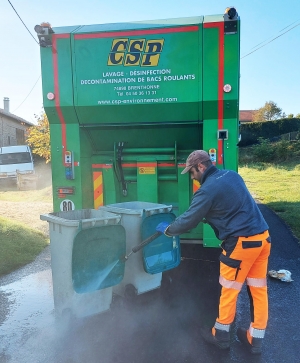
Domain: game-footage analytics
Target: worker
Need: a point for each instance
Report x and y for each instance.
(224, 202)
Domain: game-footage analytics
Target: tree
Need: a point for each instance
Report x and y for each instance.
(38, 137)
(269, 112)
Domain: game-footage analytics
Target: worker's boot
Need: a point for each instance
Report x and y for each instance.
(221, 339)
(255, 346)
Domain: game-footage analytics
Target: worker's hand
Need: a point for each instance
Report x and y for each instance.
(162, 228)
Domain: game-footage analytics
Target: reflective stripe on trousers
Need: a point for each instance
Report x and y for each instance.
(255, 333)
(225, 327)
(247, 262)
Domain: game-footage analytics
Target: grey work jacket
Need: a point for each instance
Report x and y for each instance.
(225, 203)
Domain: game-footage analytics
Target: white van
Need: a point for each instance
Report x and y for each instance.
(13, 159)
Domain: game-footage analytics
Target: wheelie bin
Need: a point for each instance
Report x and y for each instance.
(87, 249)
(143, 270)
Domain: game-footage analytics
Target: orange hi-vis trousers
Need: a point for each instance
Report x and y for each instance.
(244, 259)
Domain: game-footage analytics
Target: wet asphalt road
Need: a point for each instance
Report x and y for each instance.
(159, 326)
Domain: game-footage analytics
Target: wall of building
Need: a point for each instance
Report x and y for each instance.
(11, 132)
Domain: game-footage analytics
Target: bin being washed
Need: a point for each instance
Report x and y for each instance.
(143, 270)
(87, 247)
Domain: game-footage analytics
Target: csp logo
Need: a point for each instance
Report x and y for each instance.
(135, 52)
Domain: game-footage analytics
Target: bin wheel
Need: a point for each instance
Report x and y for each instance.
(117, 301)
(130, 292)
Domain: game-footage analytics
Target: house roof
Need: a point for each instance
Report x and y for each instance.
(246, 115)
(14, 117)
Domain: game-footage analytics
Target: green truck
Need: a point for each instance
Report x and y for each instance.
(128, 102)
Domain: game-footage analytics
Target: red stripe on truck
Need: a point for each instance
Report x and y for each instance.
(56, 91)
(192, 28)
(220, 27)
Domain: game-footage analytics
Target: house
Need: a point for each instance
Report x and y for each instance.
(246, 116)
(12, 127)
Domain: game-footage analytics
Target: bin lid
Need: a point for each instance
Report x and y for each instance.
(137, 207)
(85, 218)
(163, 253)
(98, 258)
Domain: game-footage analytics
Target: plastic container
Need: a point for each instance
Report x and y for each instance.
(77, 241)
(137, 218)
(164, 252)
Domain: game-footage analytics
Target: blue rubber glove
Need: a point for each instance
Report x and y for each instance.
(162, 227)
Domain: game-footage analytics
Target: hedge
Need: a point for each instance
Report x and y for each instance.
(267, 130)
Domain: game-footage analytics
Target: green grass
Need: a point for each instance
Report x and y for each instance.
(13, 195)
(19, 245)
(277, 186)
(273, 184)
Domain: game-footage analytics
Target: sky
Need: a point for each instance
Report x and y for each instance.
(271, 73)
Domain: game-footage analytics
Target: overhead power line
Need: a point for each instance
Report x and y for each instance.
(274, 34)
(289, 25)
(23, 22)
(257, 45)
(28, 94)
(278, 36)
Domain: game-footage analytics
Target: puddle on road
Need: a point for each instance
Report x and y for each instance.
(28, 313)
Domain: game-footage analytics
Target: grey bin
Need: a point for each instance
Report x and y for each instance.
(63, 228)
(132, 215)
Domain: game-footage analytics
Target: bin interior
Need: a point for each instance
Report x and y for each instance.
(163, 253)
(137, 207)
(80, 214)
(98, 258)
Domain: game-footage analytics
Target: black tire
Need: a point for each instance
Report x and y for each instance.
(130, 292)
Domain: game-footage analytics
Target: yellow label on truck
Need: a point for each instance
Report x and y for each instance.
(146, 170)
